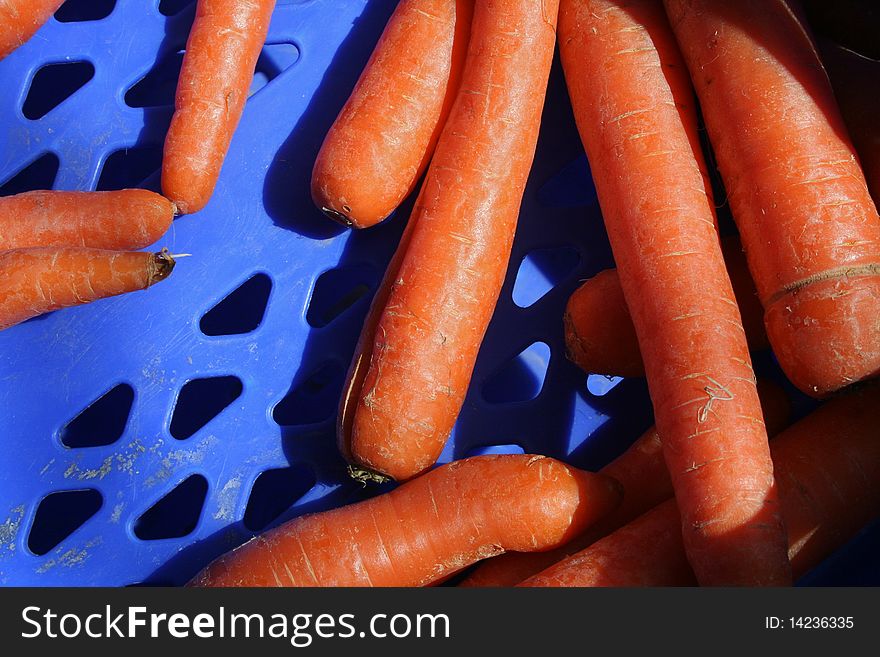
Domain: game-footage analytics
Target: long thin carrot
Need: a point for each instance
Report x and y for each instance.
(828, 472)
(39, 280)
(635, 112)
(417, 351)
(123, 220)
(645, 480)
(425, 529)
(218, 66)
(20, 19)
(601, 339)
(384, 137)
(808, 225)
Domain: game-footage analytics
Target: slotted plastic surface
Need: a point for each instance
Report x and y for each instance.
(260, 220)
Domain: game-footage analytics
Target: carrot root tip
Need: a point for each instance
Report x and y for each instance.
(338, 217)
(163, 265)
(363, 476)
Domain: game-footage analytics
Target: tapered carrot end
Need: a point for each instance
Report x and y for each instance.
(162, 266)
(338, 217)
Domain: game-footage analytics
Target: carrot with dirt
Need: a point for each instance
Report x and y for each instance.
(417, 351)
(645, 480)
(121, 220)
(809, 228)
(39, 280)
(601, 339)
(381, 142)
(828, 472)
(425, 529)
(20, 20)
(635, 112)
(218, 66)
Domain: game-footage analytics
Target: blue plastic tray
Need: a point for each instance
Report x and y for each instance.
(146, 434)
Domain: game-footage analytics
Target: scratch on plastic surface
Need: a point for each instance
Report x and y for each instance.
(9, 530)
(227, 498)
(71, 557)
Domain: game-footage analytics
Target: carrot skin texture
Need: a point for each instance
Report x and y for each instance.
(808, 225)
(39, 280)
(828, 472)
(412, 368)
(645, 480)
(425, 529)
(121, 220)
(601, 339)
(635, 112)
(381, 142)
(20, 19)
(221, 53)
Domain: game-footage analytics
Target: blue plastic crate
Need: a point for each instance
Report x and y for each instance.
(146, 434)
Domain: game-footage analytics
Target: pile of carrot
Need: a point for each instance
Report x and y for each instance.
(448, 108)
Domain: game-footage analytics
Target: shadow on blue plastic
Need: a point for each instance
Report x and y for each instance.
(173, 7)
(314, 399)
(39, 174)
(336, 291)
(495, 449)
(53, 84)
(602, 384)
(521, 378)
(274, 60)
(241, 311)
(571, 187)
(176, 514)
(76, 11)
(126, 168)
(542, 270)
(102, 422)
(200, 401)
(59, 515)
(274, 492)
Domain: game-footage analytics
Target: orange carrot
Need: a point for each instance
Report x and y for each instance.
(39, 280)
(384, 137)
(425, 529)
(635, 112)
(645, 480)
(808, 225)
(20, 19)
(601, 339)
(417, 351)
(218, 66)
(828, 472)
(118, 221)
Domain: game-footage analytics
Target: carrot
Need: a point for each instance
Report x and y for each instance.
(856, 83)
(20, 19)
(828, 472)
(39, 280)
(634, 109)
(218, 66)
(808, 225)
(645, 480)
(601, 339)
(417, 350)
(122, 220)
(425, 529)
(381, 142)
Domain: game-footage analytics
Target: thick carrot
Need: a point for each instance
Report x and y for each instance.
(118, 221)
(828, 472)
(645, 480)
(808, 225)
(856, 83)
(20, 19)
(384, 137)
(635, 112)
(601, 339)
(425, 529)
(218, 66)
(39, 280)
(417, 351)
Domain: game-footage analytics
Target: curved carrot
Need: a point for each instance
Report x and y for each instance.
(635, 112)
(425, 529)
(808, 225)
(218, 66)
(417, 351)
(121, 220)
(645, 480)
(601, 339)
(39, 280)
(20, 19)
(384, 137)
(828, 472)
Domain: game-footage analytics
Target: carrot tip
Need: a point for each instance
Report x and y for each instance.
(163, 265)
(362, 475)
(338, 217)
